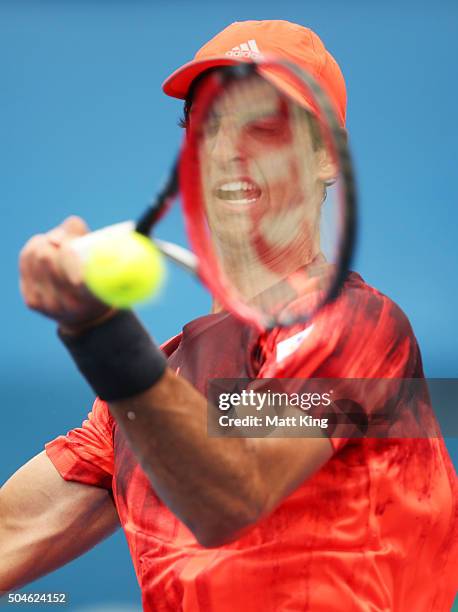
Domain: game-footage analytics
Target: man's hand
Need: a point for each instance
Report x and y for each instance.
(51, 278)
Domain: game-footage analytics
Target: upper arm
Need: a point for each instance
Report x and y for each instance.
(45, 521)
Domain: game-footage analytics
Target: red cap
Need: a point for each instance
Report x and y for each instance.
(245, 41)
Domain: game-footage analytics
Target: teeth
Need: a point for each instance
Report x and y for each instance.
(239, 192)
(237, 186)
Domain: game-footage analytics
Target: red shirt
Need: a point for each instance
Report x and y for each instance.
(375, 529)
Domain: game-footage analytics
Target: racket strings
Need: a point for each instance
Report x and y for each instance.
(271, 232)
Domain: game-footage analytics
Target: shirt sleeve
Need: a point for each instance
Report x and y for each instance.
(362, 335)
(85, 454)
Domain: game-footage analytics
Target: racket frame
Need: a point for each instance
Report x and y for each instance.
(198, 236)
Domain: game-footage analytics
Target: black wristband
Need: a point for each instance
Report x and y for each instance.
(118, 358)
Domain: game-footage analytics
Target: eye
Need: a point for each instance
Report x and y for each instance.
(212, 126)
(266, 127)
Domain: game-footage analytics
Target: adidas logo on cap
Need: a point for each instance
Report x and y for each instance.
(245, 49)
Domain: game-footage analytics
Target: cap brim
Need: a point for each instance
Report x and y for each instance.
(178, 83)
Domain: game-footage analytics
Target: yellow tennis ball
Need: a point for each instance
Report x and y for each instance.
(125, 270)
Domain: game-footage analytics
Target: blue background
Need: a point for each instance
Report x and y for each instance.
(86, 129)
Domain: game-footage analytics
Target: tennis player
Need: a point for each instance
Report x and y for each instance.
(222, 524)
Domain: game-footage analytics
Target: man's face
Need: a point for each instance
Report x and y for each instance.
(262, 177)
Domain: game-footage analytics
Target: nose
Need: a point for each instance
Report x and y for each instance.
(226, 146)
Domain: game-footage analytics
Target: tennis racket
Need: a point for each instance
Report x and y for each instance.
(268, 192)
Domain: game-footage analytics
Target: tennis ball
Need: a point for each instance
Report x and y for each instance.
(124, 270)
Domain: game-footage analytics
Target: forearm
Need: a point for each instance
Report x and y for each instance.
(213, 485)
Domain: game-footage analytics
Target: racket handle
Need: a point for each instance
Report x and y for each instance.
(82, 246)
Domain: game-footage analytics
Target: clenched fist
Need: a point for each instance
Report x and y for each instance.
(51, 278)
